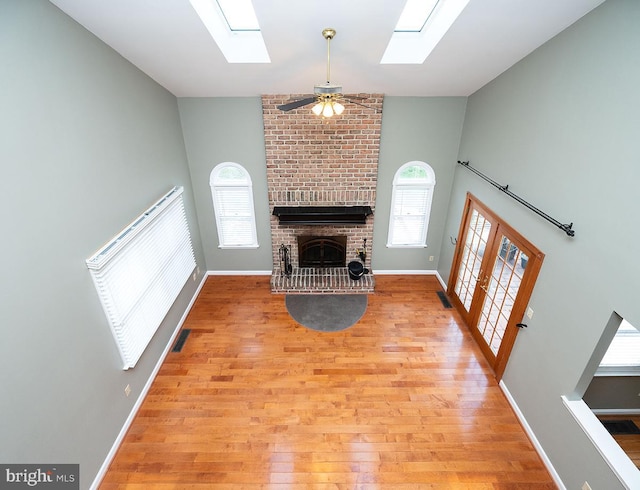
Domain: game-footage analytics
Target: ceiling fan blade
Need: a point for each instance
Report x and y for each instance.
(297, 103)
(349, 99)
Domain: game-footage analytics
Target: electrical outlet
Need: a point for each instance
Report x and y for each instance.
(127, 390)
(529, 313)
(431, 258)
(586, 486)
(194, 276)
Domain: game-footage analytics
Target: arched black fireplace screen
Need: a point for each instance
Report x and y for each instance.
(322, 251)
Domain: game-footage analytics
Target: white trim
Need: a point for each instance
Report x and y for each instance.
(375, 272)
(532, 436)
(616, 411)
(239, 273)
(238, 247)
(134, 410)
(611, 452)
(405, 272)
(616, 371)
(411, 273)
(391, 245)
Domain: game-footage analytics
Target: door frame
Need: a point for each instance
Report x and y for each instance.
(498, 362)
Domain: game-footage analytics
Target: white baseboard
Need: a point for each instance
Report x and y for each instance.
(404, 272)
(134, 410)
(239, 273)
(412, 272)
(534, 440)
(378, 272)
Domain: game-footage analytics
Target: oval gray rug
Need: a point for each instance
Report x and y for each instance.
(326, 312)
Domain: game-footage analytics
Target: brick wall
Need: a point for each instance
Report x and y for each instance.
(321, 162)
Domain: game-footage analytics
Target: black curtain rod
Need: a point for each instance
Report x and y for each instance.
(505, 188)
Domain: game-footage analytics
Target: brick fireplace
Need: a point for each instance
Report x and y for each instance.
(321, 162)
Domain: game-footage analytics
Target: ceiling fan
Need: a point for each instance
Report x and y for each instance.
(326, 95)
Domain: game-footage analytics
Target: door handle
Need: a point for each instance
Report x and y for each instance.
(483, 285)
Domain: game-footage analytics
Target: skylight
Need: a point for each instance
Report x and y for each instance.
(239, 15)
(234, 27)
(415, 15)
(422, 24)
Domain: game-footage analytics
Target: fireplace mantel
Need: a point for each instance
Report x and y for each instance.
(322, 215)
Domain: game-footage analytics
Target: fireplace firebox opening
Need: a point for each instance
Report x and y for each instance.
(322, 251)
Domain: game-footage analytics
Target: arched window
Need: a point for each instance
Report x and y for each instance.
(413, 186)
(232, 194)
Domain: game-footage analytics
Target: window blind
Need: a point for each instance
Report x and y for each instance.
(139, 274)
(410, 210)
(232, 195)
(623, 353)
(235, 215)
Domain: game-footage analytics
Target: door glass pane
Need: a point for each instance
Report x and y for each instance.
(501, 291)
(474, 246)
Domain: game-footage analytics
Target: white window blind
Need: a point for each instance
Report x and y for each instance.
(623, 355)
(411, 205)
(139, 274)
(232, 195)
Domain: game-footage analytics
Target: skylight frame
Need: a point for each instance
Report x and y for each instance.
(415, 47)
(239, 15)
(415, 15)
(237, 46)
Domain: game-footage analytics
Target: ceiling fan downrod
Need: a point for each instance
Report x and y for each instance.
(328, 34)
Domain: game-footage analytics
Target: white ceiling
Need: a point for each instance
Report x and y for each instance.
(167, 41)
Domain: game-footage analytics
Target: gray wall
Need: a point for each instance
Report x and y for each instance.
(561, 128)
(87, 144)
(227, 130)
(423, 129)
(230, 129)
(613, 393)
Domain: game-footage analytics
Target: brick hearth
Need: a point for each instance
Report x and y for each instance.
(321, 280)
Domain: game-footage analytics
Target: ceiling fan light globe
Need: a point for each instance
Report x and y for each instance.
(327, 111)
(317, 109)
(338, 108)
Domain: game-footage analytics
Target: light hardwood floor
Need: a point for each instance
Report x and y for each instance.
(401, 400)
(630, 443)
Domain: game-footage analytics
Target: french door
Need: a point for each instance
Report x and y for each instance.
(492, 277)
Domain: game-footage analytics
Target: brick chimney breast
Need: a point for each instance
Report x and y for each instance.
(321, 162)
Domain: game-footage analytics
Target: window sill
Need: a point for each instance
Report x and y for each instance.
(238, 247)
(391, 245)
(613, 371)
